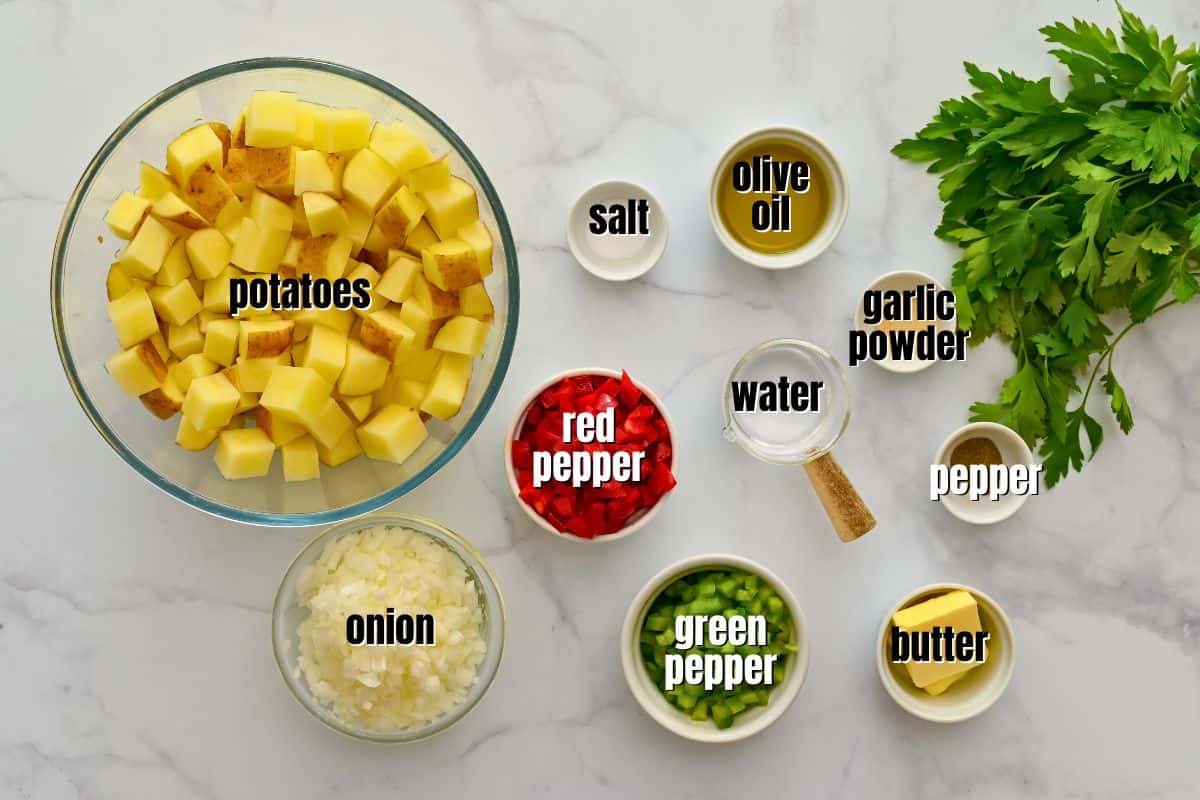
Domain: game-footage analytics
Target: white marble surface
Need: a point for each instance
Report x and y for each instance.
(134, 652)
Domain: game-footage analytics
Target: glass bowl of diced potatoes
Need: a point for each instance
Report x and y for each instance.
(303, 183)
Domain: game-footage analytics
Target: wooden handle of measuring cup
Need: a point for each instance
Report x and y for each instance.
(849, 514)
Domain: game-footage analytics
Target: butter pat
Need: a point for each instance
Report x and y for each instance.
(958, 610)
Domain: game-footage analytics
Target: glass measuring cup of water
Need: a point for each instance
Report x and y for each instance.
(806, 437)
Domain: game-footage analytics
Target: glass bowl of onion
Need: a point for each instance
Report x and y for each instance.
(388, 628)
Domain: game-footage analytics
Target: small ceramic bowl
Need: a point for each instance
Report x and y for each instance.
(1013, 450)
(634, 523)
(650, 697)
(898, 281)
(839, 200)
(969, 696)
(616, 257)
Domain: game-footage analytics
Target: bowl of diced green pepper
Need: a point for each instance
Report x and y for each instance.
(703, 587)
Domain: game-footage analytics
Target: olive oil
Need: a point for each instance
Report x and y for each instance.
(774, 196)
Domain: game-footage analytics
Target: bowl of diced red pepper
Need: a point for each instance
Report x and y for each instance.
(612, 510)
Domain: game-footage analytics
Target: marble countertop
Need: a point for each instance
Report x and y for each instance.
(134, 651)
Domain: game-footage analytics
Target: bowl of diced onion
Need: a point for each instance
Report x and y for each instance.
(388, 693)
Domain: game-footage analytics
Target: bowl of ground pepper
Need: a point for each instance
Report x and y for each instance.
(988, 444)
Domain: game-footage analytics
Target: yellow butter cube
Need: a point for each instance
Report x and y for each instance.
(208, 251)
(400, 146)
(210, 401)
(258, 248)
(473, 301)
(418, 365)
(358, 407)
(144, 255)
(176, 267)
(478, 238)
(164, 401)
(324, 214)
(126, 214)
(450, 265)
(265, 338)
(338, 129)
(186, 339)
(271, 119)
(221, 341)
(393, 433)
(199, 145)
(137, 370)
(384, 333)
(280, 431)
(153, 183)
(448, 388)
(189, 438)
(346, 449)
(464, 335)
(326, 352)
(185, 372)
(397, 280)
(244, 453)
(295, 394)
(132, 315)
(434, 175)
(300, 460)
(176, 304)
(364, 371)
(451, 207)
(368, 180)
(330, 425)
(957, 609)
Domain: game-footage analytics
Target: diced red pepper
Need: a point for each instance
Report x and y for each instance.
(549, 397)
(630, 392)
(522, 455)
(584, 384)
(604, 402)
(535, 414)
(536, 499)
(566, 398)
(609, 387)
(662, 480)
(524, 478)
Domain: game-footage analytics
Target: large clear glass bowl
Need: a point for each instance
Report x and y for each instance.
(287, 615)
(86, 339)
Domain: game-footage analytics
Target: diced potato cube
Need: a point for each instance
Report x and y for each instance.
(451, 265)
(210, 401)
(434, 175)
(358, 407)
(448, 388)
(437, 302)
(305, 113)
(176, 267)
(224, 134)
(318, 172)
(138, 369)
(338, 129)
(183, 373)
(397, 280)
(153, 183)
(258, 248)
(280, 431)
(271, 169)
(196, 146)
(330, 425)
(393, 433)
(324, 256)
(216, 290)
(324, 214)
(265, 338)
(451, 207)
(473, 301)
(176, 304)
(186, 339)
(420, 322)
(295, 394)
(189, 438)
(400, 146)
(175, 212)
(221, 341)
(368, 180)
(365, 272)
(300, 460)
(143, 256)
(254, 373)
(270, 212)
(163, 401)
(364, 371)
(421, 237)
(244, 453)
(361, 222)
(463, 335)
(126, 214)
(132, 315)
(384, 333)
(397, 218)
(326, 352)
(419, 365)
(478, 238)
(346, 449)
(160, 346)
(117, 283)
(208, 193)
(271, 119)
(408, 392)
(208, 252)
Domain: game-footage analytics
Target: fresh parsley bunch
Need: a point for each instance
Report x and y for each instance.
(1070, 211)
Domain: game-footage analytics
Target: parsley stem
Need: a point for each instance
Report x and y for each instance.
(1160, 196)
(1107, 352)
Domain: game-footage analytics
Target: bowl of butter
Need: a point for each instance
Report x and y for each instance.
(946, 652)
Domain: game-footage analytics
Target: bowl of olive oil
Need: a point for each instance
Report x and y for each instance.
(778, 198)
